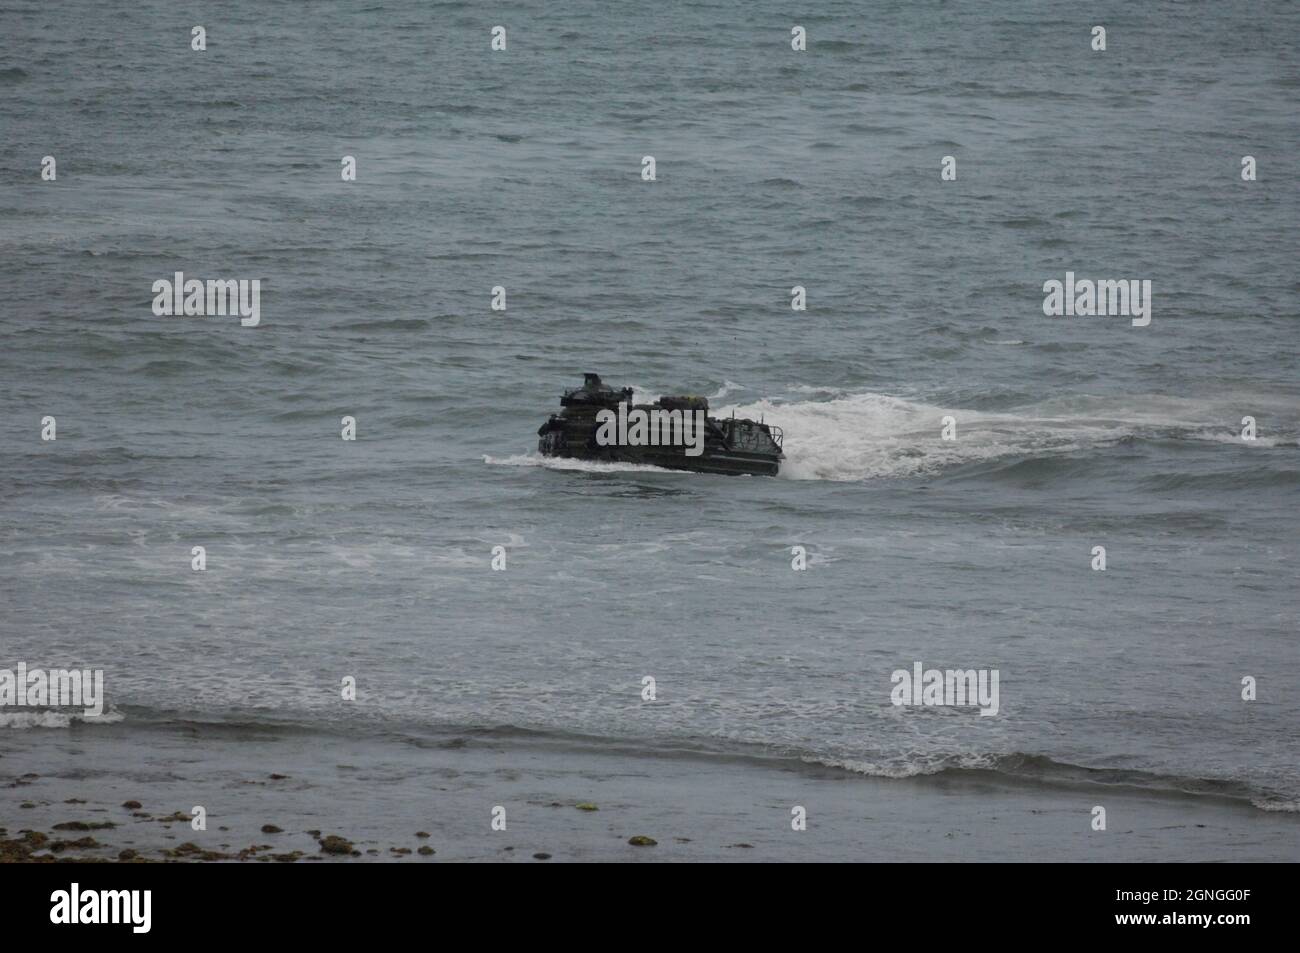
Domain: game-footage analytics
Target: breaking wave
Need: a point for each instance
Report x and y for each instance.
(875, 436)
(1039, 768)
(55, 718)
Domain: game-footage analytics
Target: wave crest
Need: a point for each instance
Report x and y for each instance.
(55, 718)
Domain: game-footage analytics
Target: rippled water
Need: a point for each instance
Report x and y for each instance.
(522, 169)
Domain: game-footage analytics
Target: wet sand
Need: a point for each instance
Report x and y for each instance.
(379, 795)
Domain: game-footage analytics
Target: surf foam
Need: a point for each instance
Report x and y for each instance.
(875, 436)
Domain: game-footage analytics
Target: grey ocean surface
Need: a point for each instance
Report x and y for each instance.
(371, 558)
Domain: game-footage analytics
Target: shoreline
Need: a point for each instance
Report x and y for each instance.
(380, 795)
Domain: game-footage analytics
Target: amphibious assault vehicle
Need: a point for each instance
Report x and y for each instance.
(597, 422)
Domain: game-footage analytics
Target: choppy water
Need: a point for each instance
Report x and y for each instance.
(522, 169)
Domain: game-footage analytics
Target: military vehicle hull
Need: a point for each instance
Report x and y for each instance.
(728, 445)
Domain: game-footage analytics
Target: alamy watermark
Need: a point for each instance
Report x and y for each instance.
(75, 906)
(214, 298)
(1087, 298)
(55, 688)
(952, 687)
(638, 427)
